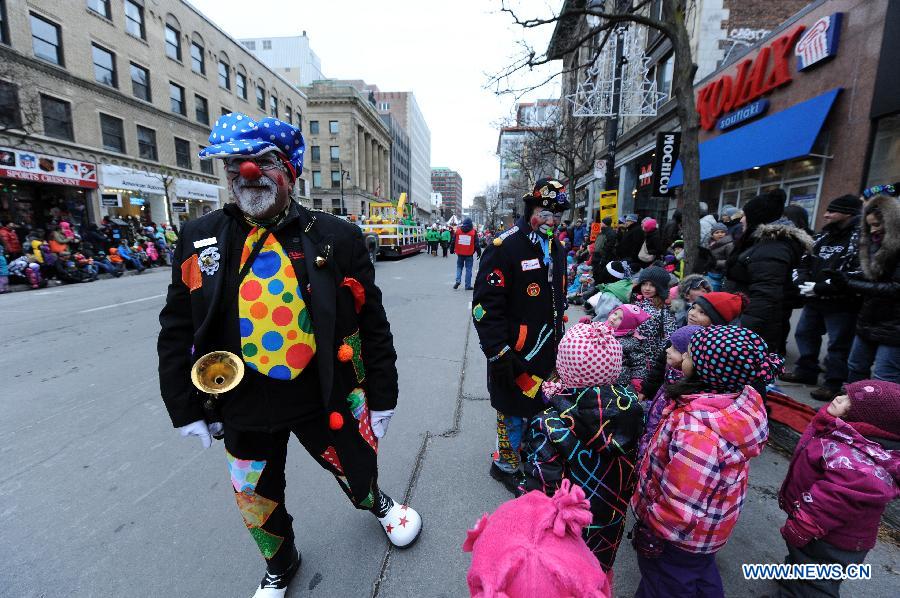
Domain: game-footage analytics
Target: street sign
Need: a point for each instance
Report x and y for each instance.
(179, 207)
(609, 205)
(600, 170)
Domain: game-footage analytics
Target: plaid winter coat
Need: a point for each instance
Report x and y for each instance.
(693, 478)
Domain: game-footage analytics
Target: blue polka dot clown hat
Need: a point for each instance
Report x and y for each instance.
(549, 194)
(236, 134)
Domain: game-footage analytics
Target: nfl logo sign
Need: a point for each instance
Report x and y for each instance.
(819, 42)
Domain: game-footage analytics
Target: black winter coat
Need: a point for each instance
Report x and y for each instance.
(834, 250)
(630, 244)
(589, 436)
(516, 308)
(764, 272)
(879, 281)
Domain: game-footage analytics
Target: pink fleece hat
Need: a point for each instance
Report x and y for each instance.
(632, 317)
(532, 546)
(649, 225)
(588, 355)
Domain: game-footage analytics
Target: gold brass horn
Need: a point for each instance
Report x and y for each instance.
(217, 372)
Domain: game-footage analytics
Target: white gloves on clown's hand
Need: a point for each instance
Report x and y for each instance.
(200, 430)
(806, 289)
(380, 421)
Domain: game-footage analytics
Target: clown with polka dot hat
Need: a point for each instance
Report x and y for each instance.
(292, 294)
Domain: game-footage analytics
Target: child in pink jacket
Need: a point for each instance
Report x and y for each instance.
(693, 478)
(840, 481)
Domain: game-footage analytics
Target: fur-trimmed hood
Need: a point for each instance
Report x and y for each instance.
(784, 230)
(874, 266)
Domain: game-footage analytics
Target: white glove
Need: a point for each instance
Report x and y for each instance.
(199, 429)
(380, 421)
(806, 289)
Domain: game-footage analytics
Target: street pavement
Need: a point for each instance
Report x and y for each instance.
(101, 497)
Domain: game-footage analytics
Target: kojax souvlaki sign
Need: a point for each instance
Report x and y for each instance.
(767, 71)
(667, 146)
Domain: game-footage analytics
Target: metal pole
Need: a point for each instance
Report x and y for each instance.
(341, 166)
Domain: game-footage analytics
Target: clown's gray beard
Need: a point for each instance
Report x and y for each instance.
(256, 199)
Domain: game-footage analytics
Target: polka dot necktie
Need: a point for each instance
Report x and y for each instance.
(276, 329)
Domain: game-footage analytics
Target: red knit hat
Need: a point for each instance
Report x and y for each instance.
(875, 402)
(723, 308)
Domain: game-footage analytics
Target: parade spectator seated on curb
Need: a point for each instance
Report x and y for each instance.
(104, 265)
(131, 261)
(841, 478)
(836, 249)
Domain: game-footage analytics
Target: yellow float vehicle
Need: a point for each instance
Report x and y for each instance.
(395, 226)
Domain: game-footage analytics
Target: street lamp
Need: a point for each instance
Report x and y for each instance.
(343, 174)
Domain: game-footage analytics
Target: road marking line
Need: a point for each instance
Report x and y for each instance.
(84, 311)
(42, 293)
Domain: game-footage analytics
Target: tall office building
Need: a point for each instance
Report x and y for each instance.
(449, 184)
(291, 57)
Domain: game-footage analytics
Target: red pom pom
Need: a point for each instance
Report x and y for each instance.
(335, 421)
(345, 353)
(250, 170)
(565, 318)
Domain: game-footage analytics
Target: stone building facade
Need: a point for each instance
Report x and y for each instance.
(353, 149)
(105, 104)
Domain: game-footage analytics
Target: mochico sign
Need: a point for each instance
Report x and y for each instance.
(754, 77)
(667, 145)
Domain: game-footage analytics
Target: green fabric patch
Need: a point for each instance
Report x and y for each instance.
(369, 501)
(356, 343)
(479, 312)
(268, 543)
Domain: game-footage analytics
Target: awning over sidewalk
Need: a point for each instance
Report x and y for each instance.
(782, 136)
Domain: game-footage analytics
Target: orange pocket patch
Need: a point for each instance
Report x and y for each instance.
(523, 334)
(190, 273)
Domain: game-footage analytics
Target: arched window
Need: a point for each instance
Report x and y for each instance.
(224, 71)
(198, 54)
(173, 38)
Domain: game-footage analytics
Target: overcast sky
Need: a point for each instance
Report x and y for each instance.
(442, 51)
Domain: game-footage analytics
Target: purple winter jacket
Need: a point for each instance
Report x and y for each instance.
(839, 483)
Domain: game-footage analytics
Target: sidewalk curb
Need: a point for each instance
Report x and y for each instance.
(53, 283)
(785, 439)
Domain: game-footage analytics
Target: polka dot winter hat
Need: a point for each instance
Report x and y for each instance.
(236, 134)
(727, 358)
(588, 355)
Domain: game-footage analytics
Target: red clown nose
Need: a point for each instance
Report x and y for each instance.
(250, 170)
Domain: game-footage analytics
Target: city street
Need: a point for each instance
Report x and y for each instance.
(101, 497)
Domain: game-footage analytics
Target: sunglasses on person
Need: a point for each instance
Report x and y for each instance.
(267, 162)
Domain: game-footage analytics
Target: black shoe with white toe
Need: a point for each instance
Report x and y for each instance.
(275, 585)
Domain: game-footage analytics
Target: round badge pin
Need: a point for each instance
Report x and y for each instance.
(533, 290)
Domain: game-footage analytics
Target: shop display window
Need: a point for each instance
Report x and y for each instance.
(884, 168)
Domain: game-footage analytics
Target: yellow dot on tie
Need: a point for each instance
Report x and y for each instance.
(498, 242)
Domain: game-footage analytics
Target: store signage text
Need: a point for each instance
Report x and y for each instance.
(646, 175)
(754, 77)
(751, 110)
(179, 208)
(667, 146)
(820, 41)
(41, 168)
(111, 200)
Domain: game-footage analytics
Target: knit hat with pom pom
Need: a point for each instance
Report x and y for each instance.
(532, 546)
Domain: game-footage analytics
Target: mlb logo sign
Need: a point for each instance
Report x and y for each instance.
(819, 43)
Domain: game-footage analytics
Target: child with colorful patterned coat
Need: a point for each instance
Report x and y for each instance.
(840, 480)
(693, 478)
(652, 292)
(588, 434)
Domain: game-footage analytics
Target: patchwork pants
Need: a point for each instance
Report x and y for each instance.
(510, 430)
(256, 461)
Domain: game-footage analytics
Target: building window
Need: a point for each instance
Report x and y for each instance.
(241, 80)
(226, 111)
(251, 45)
(261, 98)
(57, 118)
(134, 19)
(207, 166)
(10, 115)
(317, 179)
(287, 115)
(173, 43)
(140, 82)
(384, 106)
(176, 99)
(101, 7)
(46, 40)
(267, 44)
(313, 127)
(317, 203)
(224, 76)
(183, 153)
(201, 109)
(198, 59)
(335, 153)
(335, 179)
(113, 133)
(316, 154)
(333, 127)
(4, 26)
(273, 106)
(665, 69)
(146, 143)
(301, 186)
(104, 66)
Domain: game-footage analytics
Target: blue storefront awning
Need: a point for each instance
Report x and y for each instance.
(782, 136)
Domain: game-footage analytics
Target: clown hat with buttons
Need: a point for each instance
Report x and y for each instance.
(236, 135)
(549, 194)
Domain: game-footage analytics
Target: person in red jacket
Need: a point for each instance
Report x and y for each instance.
(465, 246)
(10, 240)
(839, 482)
